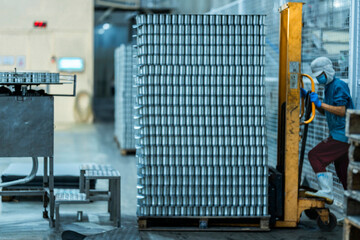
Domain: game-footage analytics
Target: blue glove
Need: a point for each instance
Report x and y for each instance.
(315, 99)
(302, 93)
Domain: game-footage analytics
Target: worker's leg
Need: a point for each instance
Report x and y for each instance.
(326, 152)
(341, 165)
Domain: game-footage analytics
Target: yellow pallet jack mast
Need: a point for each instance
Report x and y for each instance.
(290, 81)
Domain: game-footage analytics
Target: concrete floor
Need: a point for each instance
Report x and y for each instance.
(94, 143)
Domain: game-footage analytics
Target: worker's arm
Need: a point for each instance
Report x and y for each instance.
(320, 110)
(337, 110)
(322, 107)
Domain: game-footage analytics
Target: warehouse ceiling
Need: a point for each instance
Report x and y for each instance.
(135, 4)
(122, 4)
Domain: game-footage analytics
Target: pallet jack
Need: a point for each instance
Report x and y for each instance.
(287, 201)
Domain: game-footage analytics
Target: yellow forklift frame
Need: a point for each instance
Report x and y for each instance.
(290, 80)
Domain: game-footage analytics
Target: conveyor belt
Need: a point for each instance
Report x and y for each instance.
(28, 78)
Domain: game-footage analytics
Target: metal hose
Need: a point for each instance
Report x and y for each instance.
(30, 177)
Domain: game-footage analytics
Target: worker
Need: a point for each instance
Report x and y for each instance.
(333, 149)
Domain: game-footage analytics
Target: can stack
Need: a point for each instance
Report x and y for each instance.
(200, 116)
(124, 97)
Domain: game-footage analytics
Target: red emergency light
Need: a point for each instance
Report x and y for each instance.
(40, 24)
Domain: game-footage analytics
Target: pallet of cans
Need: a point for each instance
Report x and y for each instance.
(352, 194)
(200, 120)
(125, 98)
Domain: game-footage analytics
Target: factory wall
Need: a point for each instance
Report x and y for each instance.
(69, 33)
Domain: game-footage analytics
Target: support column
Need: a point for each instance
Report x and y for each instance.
(354, 54)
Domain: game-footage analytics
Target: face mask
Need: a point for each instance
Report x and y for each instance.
(321, 78)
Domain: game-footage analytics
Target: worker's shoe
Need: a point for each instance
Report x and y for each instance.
(325, 180)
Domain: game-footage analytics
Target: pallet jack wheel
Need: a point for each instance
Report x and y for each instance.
(45, 214)
(311, 213)
(330, 225)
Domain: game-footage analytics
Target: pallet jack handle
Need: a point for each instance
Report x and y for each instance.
(313, 110)
(305, 101)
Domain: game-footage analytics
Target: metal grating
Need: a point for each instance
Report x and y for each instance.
(325, 33)
(95, 166)
(200, 116)
(69, 195)
(108, 173)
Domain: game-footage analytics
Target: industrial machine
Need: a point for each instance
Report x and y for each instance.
(290, 201)
(27, 127)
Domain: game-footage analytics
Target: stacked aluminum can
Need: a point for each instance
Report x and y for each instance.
(125, 67)
(200, 116)
(28, 78)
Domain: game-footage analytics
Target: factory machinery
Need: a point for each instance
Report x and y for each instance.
(27, 128)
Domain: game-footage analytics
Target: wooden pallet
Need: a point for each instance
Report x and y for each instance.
(127, 152)
(7, 198)
(354, 176)
(210, 224)
(354, 152)
(351, 228)
(352, 195)
(123, 151)
(352, 128)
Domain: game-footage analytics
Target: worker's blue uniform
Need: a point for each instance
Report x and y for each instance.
(335, 148)
(337, 93)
